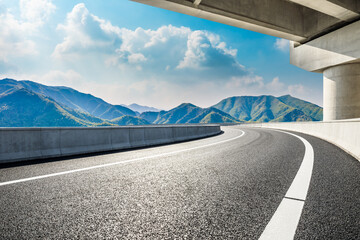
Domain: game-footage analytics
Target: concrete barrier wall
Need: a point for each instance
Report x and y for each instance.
(19, 144)
(343, 133)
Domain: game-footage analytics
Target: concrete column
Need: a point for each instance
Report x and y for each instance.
(342, 92)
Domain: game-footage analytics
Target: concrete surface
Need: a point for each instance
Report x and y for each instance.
(329, 8)
(345, 134)
(296, 20)
(341, 92)
(337, 47)
(206, 189)
(18, 144)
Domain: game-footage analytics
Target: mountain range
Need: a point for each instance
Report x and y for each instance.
(140, 109)
(30, 104)
(189, 113)
(24, 108)
(270, 109)
(71, 98)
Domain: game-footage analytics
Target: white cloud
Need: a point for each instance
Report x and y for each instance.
(86, 33)
(148, 61)
(16, 33)
(282, 44)
(13, 38)
(36, 11)
(168, 47)
(297, 89)
(205, 51)
(245, 82)
(275, 85)
(136, 58)
(162, 47)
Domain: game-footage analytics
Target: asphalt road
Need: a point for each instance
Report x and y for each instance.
(224, 187)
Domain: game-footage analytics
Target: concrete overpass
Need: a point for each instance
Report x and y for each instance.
(324, 35)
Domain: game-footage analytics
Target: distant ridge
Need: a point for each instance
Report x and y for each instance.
(140, 109)
(270, 109)
(72, 98)
(310, 109)
(189, 113)
(129, 120)
(30, 104)
(21, 107)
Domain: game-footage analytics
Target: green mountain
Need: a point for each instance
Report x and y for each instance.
(310, 109)
(189, 113)
(29, 104)
(151, 116)
(129, 120)
(20, 107)
(270, 109)
(71, 98)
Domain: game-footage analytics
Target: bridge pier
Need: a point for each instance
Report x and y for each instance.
(342, 92)
(337, 56)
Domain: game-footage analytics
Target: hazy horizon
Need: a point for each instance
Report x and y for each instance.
(145, 105)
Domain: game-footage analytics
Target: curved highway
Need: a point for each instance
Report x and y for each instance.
(241, 184)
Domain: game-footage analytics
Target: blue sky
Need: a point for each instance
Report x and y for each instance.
(126, 52)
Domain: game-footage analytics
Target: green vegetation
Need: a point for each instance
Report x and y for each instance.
(189, 113)
(310, 109)
(23, 108)
(129, 120)
(270, 109)
(29, 104)
(72, 99)
(151, 116)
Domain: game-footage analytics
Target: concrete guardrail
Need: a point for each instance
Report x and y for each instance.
(343, 133)
(20, 144)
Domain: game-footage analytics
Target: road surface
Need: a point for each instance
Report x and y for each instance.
(231, 186)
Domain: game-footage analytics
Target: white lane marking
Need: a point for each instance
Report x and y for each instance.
(283, 223)
(301, 182)
(287, 217)
(117, 163)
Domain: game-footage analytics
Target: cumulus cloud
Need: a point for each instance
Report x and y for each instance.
(204, 50)
(16, 33)
(168, 47)
(282, 44)
(153, 64)
(36, 11)
(136, 58)
(297, 89)
(275, 85)
(13, 37)
(153, 50)
(86, 33)
(245, 82)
